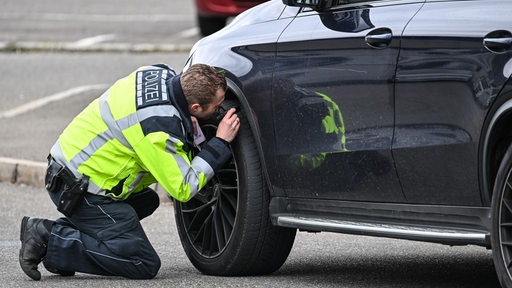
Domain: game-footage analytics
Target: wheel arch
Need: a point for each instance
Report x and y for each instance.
(497, 136)
(234, 92)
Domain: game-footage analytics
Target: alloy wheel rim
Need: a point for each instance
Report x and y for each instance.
(505, 224)
(209, 217)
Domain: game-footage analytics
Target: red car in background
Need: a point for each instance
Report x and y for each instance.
(212, 15)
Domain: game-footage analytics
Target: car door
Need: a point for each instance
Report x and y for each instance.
(453, 62)
(333, 101)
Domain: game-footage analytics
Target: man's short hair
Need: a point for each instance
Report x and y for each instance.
(200, 84)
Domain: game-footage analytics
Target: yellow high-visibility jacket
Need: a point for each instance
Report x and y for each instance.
(137, 133)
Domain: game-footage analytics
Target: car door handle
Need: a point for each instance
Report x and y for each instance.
(498, 44)
(498, 41)
(379, 38)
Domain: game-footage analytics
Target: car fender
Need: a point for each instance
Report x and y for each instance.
(499, 115)
(236, 91)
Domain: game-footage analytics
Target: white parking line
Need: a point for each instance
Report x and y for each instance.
(49, 99)
(85, 42)
(9, 243)
(188, 33)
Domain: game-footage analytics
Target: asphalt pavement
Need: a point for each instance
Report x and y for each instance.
(316, 260)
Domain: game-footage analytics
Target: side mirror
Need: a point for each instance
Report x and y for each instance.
(317, 5)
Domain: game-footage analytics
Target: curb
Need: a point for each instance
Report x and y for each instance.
(18, 171)
(27, 46)
(32, 173)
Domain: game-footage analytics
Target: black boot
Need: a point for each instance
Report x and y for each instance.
(34, 235)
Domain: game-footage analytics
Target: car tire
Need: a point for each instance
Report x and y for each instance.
(210, 24)
(226, 229)
(501, 234)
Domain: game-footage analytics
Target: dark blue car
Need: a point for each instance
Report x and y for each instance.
(387, 118)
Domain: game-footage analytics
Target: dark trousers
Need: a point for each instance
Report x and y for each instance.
(105, 237)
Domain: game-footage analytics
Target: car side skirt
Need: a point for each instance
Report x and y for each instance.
(451, 225)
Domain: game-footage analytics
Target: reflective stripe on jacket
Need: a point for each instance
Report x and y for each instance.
(137, 133)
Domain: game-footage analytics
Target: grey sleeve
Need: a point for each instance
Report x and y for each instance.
(216, 153)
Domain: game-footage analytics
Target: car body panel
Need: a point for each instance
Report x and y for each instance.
(445, 70)
(250, 36)
(323, 55)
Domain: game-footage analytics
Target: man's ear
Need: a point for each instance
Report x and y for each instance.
(194, 108)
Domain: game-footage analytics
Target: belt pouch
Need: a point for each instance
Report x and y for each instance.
(72, 196)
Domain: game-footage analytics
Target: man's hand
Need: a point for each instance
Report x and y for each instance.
(228, 126)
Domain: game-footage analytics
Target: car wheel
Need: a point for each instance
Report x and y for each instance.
(501, 236)
(209, 25)
(226, 230)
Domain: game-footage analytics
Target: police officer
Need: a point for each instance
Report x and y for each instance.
(140, 131)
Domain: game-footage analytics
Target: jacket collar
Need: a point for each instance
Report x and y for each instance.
(178, 100)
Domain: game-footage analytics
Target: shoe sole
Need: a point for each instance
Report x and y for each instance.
(60, 272)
